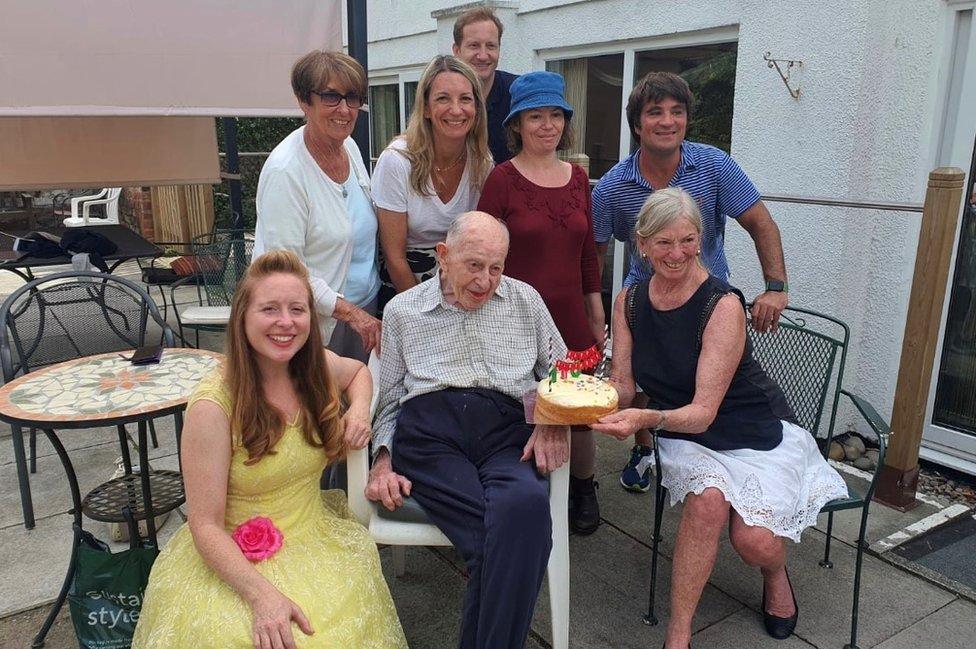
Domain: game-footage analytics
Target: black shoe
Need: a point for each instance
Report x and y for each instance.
(584, 510)
(780, 627)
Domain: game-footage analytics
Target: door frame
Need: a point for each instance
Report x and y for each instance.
(955, 148)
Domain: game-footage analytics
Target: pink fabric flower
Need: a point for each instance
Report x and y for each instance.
(258, 538)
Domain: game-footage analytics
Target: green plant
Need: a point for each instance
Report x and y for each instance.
(254, 135)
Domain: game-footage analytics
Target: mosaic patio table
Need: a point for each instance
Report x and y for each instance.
(107, 390)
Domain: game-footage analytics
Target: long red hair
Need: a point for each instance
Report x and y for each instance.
(259, 424)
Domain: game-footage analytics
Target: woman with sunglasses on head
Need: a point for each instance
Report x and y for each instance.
(313, 199)
(431, 174)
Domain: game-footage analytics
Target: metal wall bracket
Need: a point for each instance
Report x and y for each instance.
(785, 76)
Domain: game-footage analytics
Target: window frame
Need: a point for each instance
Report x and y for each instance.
(399, 78)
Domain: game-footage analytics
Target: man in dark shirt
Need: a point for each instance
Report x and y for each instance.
(477, 42)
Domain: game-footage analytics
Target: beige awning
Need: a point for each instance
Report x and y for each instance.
(65, 152)
(102, 93)
(152, 57)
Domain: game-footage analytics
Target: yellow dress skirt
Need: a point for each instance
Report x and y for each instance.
(327, 564)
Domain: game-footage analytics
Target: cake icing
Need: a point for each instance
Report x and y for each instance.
(581, 399)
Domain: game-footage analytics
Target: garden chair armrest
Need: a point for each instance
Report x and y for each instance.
(193, 280)
(357, 460)
(881, 428)
(183, 281)
(357, 473)
(877, 423)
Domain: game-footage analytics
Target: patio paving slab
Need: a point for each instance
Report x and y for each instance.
(951, 627)
(611, 456)
(738, 631)
(609, 574)
(17, 631)
(427, 597)
(633, 514)
(49, 487)
(33, 562)
(891, 600)
(882, 520)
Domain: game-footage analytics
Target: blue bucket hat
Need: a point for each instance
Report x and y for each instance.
(537, 90)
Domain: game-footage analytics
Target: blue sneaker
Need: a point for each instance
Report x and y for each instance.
(636, 476)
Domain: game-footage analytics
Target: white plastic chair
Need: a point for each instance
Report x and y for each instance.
(399, 534)
(109, 197)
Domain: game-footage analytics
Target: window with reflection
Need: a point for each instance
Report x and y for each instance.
(593, 89)
(955, 394)
(710, 72)
(384, 116)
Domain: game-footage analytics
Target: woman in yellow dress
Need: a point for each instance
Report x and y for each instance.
(266, 559)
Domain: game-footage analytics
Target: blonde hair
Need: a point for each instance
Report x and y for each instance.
(419, 136)
(259, 424)
(665, 206)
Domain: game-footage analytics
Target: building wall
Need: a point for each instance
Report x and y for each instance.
(865, 127)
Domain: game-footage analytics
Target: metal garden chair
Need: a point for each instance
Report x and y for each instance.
(65, 316)
(806, 358)
(221, 260)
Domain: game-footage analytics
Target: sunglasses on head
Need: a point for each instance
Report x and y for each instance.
(332, 98)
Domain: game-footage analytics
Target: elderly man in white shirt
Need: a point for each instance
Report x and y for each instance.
(458, 351)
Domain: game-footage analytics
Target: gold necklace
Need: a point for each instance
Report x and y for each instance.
(441, 170)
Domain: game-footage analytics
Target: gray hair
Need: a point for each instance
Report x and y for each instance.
(469, 220)
(665, 206)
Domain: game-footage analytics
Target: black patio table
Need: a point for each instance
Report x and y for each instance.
(130, 245)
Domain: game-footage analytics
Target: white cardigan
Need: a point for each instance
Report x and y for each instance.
(302, 210)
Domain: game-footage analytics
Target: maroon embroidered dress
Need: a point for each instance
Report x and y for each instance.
(551, 245)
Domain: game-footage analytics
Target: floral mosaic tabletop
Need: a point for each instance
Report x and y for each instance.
(105, 387)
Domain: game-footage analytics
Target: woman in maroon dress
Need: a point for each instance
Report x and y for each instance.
(546, 204)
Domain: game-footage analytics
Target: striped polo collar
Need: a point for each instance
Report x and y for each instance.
(689, 162)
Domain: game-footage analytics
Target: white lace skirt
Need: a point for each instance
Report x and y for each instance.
(781, 490)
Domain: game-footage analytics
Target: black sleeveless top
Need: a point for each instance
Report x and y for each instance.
(667, 345)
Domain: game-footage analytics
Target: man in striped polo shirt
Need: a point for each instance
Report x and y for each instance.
(658, 112)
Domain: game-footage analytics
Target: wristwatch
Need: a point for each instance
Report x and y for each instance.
(777, 286)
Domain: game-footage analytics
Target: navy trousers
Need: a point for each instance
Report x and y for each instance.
(461, 449)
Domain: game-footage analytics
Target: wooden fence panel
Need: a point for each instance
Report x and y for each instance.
(181, 212)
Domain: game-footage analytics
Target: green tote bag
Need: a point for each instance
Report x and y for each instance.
(106, 594)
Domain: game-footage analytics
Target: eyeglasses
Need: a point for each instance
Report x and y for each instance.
(331, 98)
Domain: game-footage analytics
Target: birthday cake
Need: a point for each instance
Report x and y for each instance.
(580, 399)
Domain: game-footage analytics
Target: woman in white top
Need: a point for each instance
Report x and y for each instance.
(432, 174)
(313, 199)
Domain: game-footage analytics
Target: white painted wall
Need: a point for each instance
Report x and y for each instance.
(864, 128)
